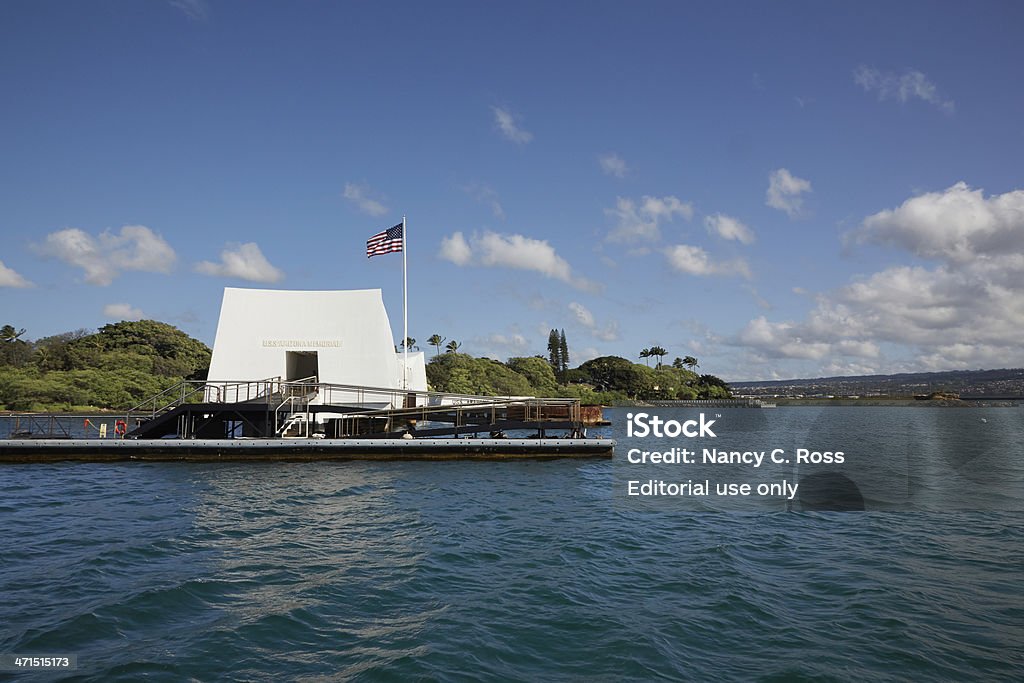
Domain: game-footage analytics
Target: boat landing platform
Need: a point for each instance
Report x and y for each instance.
(267, 450)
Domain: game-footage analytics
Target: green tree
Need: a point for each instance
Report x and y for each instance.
(169, 351)
(452, 347)
(710, 386)
(537, 372)
(498, 379)
(575, 376)
(645, 354)
(116, 367)
(459, 381)
(612, 373)
(667, 382)
(14, 351)
(658, 352)
(563, 354)
(9, 334)
(555, 351)
(691, 363)
(461, 373)
(409, 344)
(436, 340)
(57, 352)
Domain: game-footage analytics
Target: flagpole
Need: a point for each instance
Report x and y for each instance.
(405, 312)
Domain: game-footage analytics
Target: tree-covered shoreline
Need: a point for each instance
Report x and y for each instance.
(122, 364)
(608, 380)
(115, 368)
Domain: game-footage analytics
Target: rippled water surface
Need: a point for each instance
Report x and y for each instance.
(500, 571)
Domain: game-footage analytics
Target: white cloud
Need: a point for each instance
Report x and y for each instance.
(911, 84)
(923, 311)
(609, 332)
(583, 315)
(802, 341)
(525, 253)
(614, 165)
(501, 346)
(781, 340)
(784, 190)
(123, 312)
(729, 228)
(506, 123)
(858, 348)
(486, 195)
(957, 225)
(585, 318)
(964, 312)
(847, 368)
(103, 257)
(196, 10)
(359, 196)
(927, 307)
(10, 278)
(695, 261)
(454, 248)
(511, 251)
(641, 221)
(243, 261)
(664, 208)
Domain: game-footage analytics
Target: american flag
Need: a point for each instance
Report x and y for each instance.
(385, 242)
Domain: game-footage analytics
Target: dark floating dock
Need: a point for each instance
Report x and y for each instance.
(305, 420)
(225, 450)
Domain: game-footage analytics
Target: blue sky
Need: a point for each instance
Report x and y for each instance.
(779, 189)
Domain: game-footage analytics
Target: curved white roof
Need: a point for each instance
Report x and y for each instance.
(347, 331)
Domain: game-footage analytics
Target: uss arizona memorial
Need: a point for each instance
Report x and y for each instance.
(338, 337)
(308, 375)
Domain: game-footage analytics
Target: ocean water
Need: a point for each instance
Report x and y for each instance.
(532, 570)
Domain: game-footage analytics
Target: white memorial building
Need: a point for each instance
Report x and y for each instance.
(338, 337)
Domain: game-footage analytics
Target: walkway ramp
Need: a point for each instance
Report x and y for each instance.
(274, 408)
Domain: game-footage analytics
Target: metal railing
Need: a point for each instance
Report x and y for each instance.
(285, 398)
(293, 414)
(59, 425)
(212, 392)
(31, 425)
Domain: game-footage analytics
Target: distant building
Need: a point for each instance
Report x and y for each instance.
(336, 337)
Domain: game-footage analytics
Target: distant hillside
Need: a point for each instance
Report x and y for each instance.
(967, 383)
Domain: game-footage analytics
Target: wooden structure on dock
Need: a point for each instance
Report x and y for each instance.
(277, 408)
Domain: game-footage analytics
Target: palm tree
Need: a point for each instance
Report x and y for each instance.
(691, 362)
(645, 354)
(452, 347)
(409, 343)
(9, 334)
(436, 340)
(659, 352)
